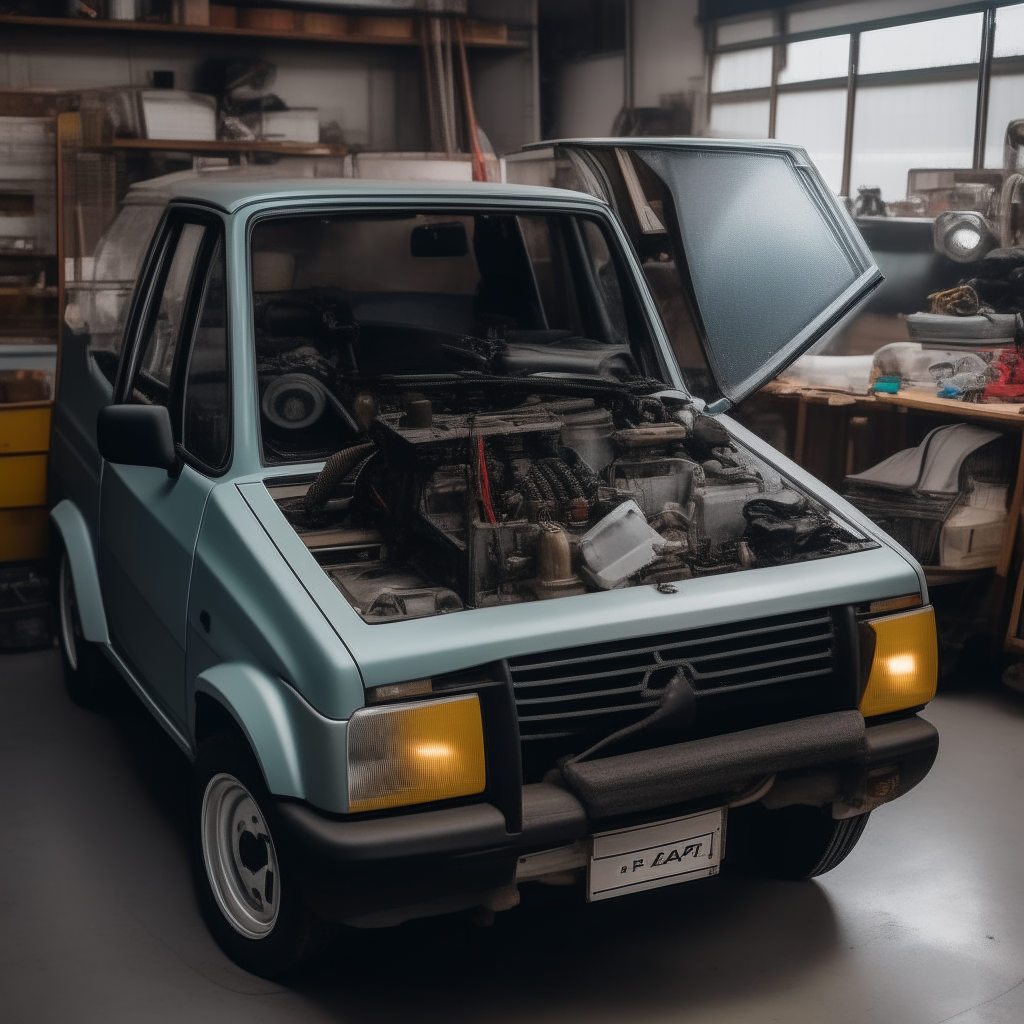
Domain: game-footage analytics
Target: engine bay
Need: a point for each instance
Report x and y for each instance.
(456, 499)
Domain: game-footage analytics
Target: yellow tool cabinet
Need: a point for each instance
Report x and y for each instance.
(24, 439)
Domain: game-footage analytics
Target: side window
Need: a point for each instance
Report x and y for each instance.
(206, 411)
(546, 250)
(99, 288)
(152, 381)
(606, 279)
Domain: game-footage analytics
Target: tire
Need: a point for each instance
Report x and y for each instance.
(246, 892)
(88, 677)
(792, 843)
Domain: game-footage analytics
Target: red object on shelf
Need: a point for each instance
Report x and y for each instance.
(1009, 387)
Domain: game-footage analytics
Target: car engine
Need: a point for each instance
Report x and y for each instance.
(448, 504)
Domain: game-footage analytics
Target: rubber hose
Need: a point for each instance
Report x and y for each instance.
(554, 480)
(336, 468)
(569, 482)
(547, 492)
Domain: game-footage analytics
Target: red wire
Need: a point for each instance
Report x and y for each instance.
(485, 485)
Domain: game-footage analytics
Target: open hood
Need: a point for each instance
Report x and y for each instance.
(750, 256)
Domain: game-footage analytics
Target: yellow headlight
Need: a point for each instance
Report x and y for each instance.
(905, 669)
(413, 753)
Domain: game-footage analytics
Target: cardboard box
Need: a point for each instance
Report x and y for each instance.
(266, 18)
(190, 12)
(222, 16)
(389, 28)
(318, 24)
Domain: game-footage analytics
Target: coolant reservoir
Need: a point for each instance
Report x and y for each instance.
(589, 434)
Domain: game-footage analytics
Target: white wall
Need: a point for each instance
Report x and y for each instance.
(668, 50)
(589, 96)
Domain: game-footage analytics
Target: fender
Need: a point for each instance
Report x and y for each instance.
(74, 533)
(302, 754)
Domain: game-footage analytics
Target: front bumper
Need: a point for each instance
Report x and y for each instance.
(385, 870)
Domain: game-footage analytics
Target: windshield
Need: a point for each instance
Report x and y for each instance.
(355, 311)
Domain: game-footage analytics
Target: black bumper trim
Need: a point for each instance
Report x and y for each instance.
(426, 834)
(892, 741)
(674, 774)
(349, 868)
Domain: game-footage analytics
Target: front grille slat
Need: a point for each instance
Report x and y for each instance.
(616, 692)
(744, 674)
(570, 657)
(588, 712)
(701, 677)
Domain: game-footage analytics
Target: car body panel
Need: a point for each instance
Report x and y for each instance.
(260, 612)
(77, 538)
(264, 631)
(148, 528)
(74, 463)
(302, 754)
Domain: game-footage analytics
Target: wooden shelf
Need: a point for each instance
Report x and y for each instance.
(165, 28)
(222, 146)
(1004, 415)
(938, 575)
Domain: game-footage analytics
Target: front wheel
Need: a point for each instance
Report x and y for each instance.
(793, 843)
(246, 894)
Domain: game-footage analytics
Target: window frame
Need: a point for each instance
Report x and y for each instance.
(639, 303)
(980, 70)
(145, 308)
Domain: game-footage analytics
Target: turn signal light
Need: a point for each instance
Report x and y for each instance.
(894, 604)
(414, 753)
(905, 667)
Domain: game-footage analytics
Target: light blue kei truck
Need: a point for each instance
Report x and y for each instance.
(413, 514)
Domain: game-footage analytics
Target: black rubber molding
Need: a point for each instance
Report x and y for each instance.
(647, 779)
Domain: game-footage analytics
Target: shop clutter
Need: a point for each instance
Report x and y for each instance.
(944, 500)
(967, 346)
(235, 104)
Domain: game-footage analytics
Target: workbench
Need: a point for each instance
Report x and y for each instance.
(836, 454)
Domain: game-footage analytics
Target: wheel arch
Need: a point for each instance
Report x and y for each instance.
(300, 753)
(74, 534)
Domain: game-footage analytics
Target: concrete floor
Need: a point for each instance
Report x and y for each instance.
(924, 922)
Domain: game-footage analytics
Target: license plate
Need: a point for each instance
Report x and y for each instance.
(648, 856)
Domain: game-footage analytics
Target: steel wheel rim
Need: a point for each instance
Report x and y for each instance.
(67, 614)
(239, 857)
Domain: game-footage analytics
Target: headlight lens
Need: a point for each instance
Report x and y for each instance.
(414, 753)
(905, 668)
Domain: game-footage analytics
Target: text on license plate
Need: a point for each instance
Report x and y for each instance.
(647, 856)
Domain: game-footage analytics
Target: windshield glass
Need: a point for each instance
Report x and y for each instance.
(352, 310)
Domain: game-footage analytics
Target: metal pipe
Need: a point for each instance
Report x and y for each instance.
(627, 63)
(988, 34)
(851, 106)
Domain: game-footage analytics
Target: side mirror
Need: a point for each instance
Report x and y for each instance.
(136, 435)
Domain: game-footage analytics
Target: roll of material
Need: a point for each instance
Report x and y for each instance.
(673, 774)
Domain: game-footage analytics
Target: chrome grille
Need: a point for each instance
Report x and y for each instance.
(744, 674)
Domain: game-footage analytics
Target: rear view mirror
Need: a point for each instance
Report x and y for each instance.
(136, 435)
(439, 240)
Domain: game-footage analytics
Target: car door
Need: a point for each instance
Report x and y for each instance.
(750, 257)
(175, 355)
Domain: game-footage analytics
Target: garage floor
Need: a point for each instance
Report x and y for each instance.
(924, 923)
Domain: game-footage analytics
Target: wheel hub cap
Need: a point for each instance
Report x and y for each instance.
(239, 855)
